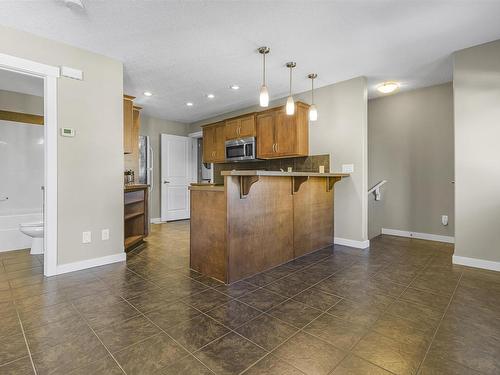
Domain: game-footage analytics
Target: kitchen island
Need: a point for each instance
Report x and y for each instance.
(258, 220)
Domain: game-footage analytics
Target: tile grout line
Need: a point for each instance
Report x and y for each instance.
(26, 341)
(439, 324)
(172, 338)
(95, 334)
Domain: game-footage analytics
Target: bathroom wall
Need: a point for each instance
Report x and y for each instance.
(21, 156)
(21, 168)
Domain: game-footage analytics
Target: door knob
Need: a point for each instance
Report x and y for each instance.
(166, 182)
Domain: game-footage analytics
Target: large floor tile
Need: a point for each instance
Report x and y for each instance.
(233, 313)
(150, 355)
(262, 299)
(266, 331)
(309, 354)
(353, 365)
(231, 354)
(295, 313)
(271, 365)
(122, 334)
(197, 332)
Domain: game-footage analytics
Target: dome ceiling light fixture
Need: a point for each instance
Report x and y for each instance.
(75, 4)
(388, 87)
(264, 93)
(290, 104)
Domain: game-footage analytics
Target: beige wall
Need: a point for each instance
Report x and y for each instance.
(341, 131)
(410, 144)
(24, 103)
(153, 127)
(476, 88)
(90, 165)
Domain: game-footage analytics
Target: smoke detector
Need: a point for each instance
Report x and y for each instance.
(77, 4)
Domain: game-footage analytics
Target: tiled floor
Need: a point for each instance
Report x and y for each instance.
(399, 308)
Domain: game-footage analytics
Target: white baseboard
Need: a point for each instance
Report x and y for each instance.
(477, 263)
(420, 236)
(155, 220)
(351, 243)
(89, 263)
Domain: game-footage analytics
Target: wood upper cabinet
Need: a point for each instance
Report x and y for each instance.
(136, 127)
(128, 124)
(280, 135)
(266, 135)
(240, 127)
(214, 138)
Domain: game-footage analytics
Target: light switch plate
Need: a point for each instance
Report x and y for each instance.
(347, 168)
(105, 234)
(86, 237)
(67, 132)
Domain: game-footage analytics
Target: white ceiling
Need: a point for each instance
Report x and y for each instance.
(23, 83)
(182, 50)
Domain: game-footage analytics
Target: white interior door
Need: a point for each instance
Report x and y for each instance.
(175, 177)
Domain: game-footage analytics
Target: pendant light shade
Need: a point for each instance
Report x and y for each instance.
(313, 111)
(264, 96)
(264, 93)
(290, 105)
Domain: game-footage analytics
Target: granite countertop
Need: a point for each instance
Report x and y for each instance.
(135, 186)
(282, 174)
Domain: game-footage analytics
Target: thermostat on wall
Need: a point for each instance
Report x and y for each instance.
(67, 132)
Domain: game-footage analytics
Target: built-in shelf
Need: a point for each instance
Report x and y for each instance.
(134, 201)
(136, 221)
(132, 240)
(134, 214)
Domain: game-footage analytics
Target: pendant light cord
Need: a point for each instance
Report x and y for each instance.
(291, 81)
(312, 91)
(264, 70)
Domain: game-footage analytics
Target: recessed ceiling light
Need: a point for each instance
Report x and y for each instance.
(75, 3)
(210, 96)
(189, 104)
(234, 87)
(148, 93)
(388, 87)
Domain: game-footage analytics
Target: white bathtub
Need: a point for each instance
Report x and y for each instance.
(10, 236)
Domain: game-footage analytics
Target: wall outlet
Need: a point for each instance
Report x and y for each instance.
(347, 168)
(105, 234)
(444, 219)
(86, 237)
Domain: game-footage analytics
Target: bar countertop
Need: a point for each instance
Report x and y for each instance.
(282, 174)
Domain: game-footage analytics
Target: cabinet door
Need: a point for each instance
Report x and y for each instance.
(208, 144)
(136, 127)
(220, 143)
(128, 124)
(232, 129)
(247, 126)
(265, 135)
(286, 134)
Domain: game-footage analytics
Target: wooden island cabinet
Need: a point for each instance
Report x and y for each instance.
(258, 220)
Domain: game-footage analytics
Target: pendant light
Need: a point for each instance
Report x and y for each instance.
(313, 112)
(264, 94)
(290, 105)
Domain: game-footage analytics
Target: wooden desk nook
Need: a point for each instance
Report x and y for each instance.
(258, 220)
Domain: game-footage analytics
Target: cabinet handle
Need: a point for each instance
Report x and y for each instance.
(277, 147)
(238, 131)
(274, 144)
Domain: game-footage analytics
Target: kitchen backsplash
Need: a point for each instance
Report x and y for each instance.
(302, 164)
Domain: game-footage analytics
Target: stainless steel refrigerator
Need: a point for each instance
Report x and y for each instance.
(146, 162)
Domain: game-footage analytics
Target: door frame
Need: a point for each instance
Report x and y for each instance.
(49, 74)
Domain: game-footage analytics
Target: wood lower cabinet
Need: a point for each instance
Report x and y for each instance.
(128, 123)
(240, 127)
(136, 226)
(280, 135)
(214, 138)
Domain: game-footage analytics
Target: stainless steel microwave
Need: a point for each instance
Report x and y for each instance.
(242, 149)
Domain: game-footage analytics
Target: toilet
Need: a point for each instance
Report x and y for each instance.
(35, 231)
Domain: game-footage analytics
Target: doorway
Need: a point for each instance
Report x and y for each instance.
(49, 75)
(176, 176)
